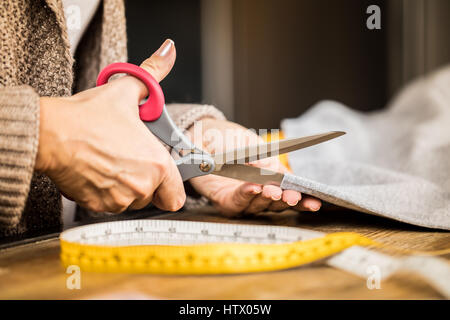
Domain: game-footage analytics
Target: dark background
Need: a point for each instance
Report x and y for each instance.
(296, 53)
(290, 54)
(149, 23)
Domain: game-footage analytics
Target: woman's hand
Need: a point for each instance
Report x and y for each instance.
(99, 153)
(232, 197)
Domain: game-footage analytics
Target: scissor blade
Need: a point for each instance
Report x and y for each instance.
(166, 130)
(249, 174)
(266, 150)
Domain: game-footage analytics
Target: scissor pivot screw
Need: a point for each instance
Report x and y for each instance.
(205, 166)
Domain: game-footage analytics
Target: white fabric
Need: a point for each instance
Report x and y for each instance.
(394, 163)
(79, 14)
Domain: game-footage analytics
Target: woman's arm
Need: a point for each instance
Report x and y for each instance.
(19, 136)
(92, 145)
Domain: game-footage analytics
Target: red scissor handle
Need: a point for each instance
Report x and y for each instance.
(149, 111)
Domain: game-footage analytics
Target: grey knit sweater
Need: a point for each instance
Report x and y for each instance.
(35, 61)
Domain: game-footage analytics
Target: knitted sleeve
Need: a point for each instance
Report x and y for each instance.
(19, 137)
(185, 115)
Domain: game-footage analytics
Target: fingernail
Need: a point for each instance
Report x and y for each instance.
(315, 207)
(165, 48)
(276, 198)
(292, 203)
(257, 190)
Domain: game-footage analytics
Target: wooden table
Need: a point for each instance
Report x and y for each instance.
(33, 271)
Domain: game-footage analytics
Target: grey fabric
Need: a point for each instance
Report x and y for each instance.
(393, 163)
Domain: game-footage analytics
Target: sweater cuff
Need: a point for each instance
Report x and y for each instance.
(185, 115)
(19, 138)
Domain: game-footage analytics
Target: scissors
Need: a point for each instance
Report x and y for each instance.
(196, 162)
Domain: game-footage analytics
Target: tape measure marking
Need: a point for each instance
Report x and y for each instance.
(183, 247)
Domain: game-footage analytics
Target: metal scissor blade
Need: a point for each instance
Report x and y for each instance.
(249, 174)
(166, 130)
(266, 150)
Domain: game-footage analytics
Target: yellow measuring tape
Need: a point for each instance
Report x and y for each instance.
(106, 247)
(183, 247)
(208, 258)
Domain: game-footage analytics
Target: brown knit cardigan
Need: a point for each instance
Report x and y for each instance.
(35, 61)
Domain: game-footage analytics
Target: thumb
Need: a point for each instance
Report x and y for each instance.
(158, 65)
(240, 199)
(162, 61)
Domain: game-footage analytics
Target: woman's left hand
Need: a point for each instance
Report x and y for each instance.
(231, 196)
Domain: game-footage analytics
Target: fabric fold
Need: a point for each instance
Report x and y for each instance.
(392, 163)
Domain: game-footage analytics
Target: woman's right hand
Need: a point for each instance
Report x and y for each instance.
(99, 153)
